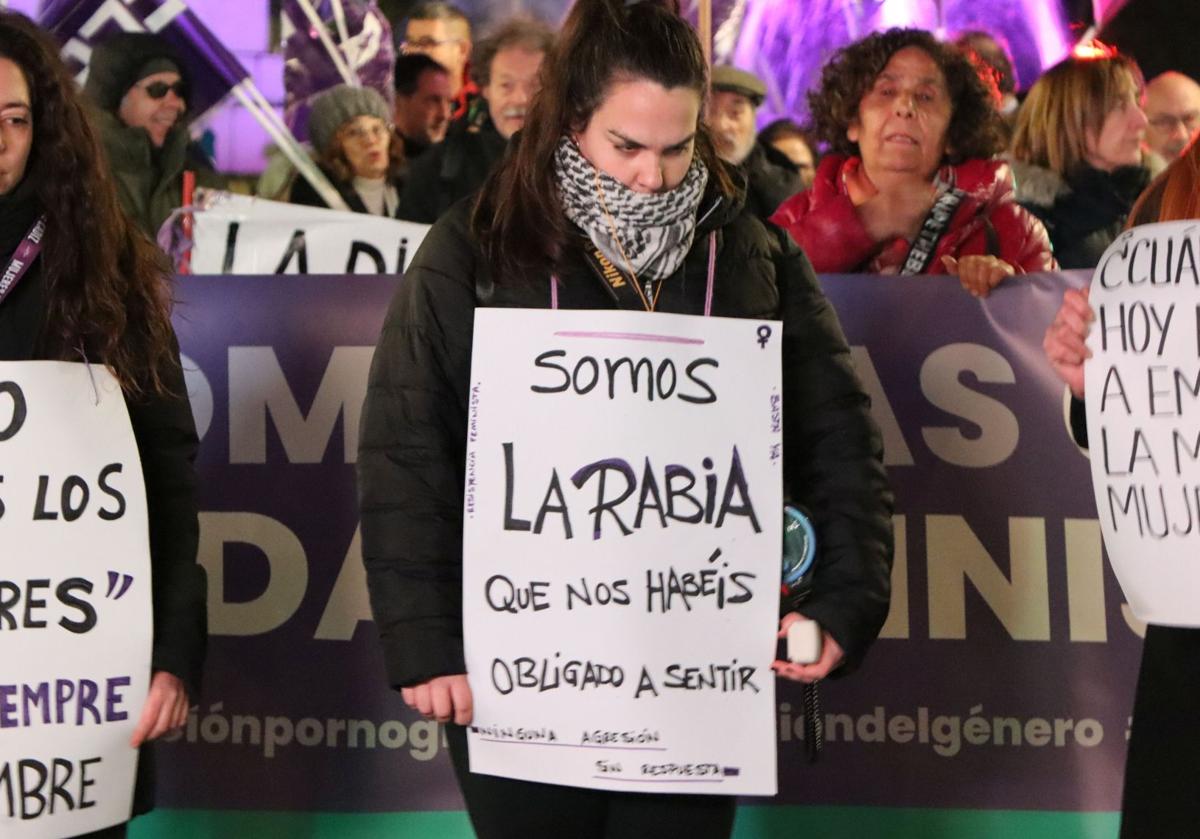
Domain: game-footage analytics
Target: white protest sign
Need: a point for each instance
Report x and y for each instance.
(621, 557)
(1143, 411)
(237, 234)
(75, 614)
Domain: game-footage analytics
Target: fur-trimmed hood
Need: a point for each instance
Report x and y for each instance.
(1036, 185)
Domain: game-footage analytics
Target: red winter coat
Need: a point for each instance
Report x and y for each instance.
(826, 225)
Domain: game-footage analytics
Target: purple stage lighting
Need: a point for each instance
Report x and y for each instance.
(786, 42)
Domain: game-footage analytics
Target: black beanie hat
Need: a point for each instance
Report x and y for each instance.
(120, 62)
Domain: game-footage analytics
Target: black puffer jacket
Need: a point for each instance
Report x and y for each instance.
(413, 441)
(773, 179)
(1082, 212)
(304, 194)
(450, 170)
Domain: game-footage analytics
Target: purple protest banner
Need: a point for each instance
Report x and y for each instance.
(81, 24)
(1003, 679)
(1004, 676)
(309, 69)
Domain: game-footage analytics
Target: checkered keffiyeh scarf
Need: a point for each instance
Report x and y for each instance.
(655, 229)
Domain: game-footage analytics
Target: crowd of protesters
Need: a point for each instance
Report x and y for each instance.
(901, 127)
(610, 141)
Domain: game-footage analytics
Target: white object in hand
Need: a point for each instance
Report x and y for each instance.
(804, 641)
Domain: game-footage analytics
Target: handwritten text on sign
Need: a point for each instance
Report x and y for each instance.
(1143, 404)
(622, 549)
(75, 621)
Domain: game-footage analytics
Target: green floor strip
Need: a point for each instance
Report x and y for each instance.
(753, 822)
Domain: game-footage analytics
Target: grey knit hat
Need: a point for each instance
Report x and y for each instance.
(337, 106)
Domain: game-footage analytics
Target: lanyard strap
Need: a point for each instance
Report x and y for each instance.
(932, 229)
(712, 272)
(708, 292)
(22, 258)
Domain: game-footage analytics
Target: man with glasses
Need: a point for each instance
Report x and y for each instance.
(140, 91)
(443, 33)
(1173, 112)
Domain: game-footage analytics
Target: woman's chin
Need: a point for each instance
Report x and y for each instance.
(900, 166)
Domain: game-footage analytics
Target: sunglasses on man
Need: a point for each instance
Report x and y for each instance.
(157, 90)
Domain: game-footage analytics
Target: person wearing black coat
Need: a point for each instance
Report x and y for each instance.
(97, 292)
(167, 444)
(1077, 158)
(634, 165)
(1084, 210)
(505, 66)
(410, 444)
(413, 439)
(1158, 798)
(451, 170)
(771, 176)
(140, 87)
(771, 180)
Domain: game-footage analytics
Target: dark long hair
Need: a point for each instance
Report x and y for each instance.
(107, 292)
(518, 218)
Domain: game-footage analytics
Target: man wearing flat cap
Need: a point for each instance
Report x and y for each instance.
(772, 177)
(140, 91)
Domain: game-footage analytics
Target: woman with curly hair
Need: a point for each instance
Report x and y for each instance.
(98, 292)
(360, 152)
(1077, 152)
(909, 186)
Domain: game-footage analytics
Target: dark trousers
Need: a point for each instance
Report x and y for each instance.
(1161, 800)
(115, 832)
(501, 808)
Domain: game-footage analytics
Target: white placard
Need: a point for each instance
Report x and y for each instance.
(75, 615)
(622, 549)
(1143, 411)
(237, 234)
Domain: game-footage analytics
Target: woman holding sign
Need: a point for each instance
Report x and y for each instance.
(612, 198)
(87, 286)
(1164, 758)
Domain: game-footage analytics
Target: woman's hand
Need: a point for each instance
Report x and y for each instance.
(831, 655)
(979, 273)
(442, 698)
(165, 710)
(1065, 339)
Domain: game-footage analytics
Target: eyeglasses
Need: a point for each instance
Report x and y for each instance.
(157, 90)
(367, 133)
(1167, 122)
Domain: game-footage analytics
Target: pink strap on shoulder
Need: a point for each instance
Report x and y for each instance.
(712, 272)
